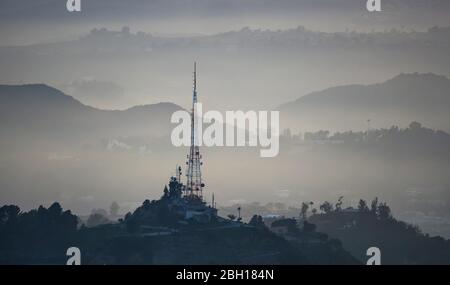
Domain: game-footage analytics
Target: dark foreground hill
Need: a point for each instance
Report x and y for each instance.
(42, 237)
(374, 226)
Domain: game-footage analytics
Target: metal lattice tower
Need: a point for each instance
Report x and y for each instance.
(194, 185)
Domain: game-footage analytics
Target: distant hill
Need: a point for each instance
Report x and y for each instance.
(37, 111)
(398, 101)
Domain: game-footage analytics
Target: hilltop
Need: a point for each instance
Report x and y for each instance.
(156, 234)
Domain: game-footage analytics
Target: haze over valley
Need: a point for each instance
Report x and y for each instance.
(55, 148)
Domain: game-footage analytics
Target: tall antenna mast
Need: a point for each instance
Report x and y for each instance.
(195, 83)
(194, 185)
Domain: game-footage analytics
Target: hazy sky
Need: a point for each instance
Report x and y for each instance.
(25, 22)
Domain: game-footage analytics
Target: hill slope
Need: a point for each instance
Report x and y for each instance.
(38, 111)
(398, 101)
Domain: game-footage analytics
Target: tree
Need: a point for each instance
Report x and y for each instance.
(304, 211)
(231, 217)
(166, 192)
(146, 204)
(290, 224)
(374, 206)
(362, 206)
(114, 209)
(384, 212)
(257, 221)
(339, 203)
(415, 126)
(326, 207)
(314, 211)
(9, 213)
(38, 231)
(55, 209)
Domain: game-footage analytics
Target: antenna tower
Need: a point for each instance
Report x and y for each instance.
(194, 185)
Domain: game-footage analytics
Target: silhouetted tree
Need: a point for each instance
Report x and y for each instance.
(40, 233)
(339, 203)
(165, 193)
(326, 207)
(231, 217)
(290, 224)
(9, 213)
(55, 209)
(257, 221)
(304, 211)
(374, 206)
(175, 190)
(384, 212)
(146, 204)
(362, 206)
(415, 126)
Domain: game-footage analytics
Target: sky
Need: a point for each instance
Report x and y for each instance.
(158, 74)
(25, 22)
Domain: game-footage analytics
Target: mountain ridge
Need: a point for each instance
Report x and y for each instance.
(38, 111)
(56, 92)
(404, 98)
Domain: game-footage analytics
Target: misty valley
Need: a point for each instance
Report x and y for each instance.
(110, 156)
